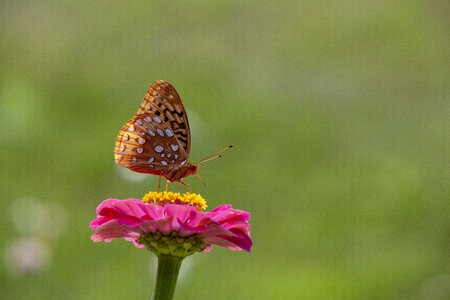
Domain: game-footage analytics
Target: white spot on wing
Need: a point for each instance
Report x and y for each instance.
(160, 132)
(151, 132)
(157, 119)
(169, 132)
(169, 155)
(159, 149)
(131, 128)
(139, 150)
(148, 119)
(138, 122)
(174, 147)
(151, 159)
(162, 155)
(183, 162)
(141, 141)
(164, 163)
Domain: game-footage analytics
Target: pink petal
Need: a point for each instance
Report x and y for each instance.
(130, 218)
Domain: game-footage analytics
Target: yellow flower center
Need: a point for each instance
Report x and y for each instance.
(163, 198)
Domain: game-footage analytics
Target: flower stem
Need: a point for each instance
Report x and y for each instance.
(166, 277)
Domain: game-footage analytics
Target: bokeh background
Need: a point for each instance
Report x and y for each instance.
(340, 116)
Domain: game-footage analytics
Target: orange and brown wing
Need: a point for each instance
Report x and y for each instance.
(163, 103)
(157, 139)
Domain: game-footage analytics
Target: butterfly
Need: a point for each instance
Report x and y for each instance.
(157, 140)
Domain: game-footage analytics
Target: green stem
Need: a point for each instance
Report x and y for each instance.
(166, 277)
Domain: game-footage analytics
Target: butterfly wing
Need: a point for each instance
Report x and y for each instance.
(163, 102)
(157, 139)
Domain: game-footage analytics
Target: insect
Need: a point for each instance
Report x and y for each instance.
(157, 140)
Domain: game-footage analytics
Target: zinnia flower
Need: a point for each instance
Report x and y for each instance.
(172, 224)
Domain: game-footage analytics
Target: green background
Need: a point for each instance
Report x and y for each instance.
(340, 116)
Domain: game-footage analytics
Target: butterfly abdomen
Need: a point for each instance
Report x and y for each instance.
(184, 171)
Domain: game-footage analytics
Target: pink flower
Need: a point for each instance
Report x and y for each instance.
(179, 226)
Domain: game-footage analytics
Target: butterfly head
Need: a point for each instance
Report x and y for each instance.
(192, 168)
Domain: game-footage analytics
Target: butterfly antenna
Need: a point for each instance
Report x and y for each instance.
(215, 155)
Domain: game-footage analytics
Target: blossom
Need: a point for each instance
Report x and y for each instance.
(172, 224)
(170, 197)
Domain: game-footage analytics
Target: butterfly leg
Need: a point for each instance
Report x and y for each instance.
(159, 183)
(167, 185)
(187, 185)
(202, 181)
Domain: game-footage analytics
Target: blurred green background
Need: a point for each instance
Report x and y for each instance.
(339, 111)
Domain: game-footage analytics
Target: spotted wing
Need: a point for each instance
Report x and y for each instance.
(157, 139)
(162, 101)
